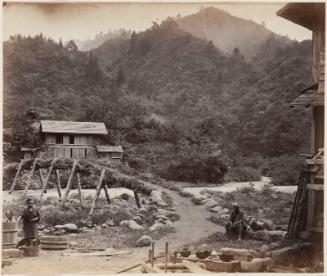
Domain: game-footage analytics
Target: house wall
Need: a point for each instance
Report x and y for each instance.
(91, 140)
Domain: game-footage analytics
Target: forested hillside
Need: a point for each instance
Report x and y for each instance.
(181, 107)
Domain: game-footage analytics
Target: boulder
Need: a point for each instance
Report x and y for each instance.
(144, 241)
(110, 222)
(264, 248)
(159, 225)
(124, 223)
(198, 199)
(70, 227)
(210, 203)
(135, 226)
(104, 225)
(224, 216)
(256, 265)
(138, 219)
(162, 212)
(156, 198)
(216, 209)
(10, 253)
(58, 227)
(223, 211)
(40, 227)
(268, 224)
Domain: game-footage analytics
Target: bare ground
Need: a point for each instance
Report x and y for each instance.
(192, 226)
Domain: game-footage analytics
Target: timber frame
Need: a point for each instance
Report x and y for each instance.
(108, 178)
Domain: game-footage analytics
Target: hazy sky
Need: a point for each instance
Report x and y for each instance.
(84, 20)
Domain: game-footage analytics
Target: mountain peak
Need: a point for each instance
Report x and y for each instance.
(227, 31)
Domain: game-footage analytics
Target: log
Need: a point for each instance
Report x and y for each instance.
(129, 268)
(16, 176)
(79, 187)
(58, 184)
(69, 183)
(106, 193)
(30, 176)
(47, 178)
(97, 191)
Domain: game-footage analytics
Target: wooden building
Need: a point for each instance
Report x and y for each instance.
(65, 139)
(309, 199)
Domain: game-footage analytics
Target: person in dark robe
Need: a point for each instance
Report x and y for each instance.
(30, 217)
(236, 224)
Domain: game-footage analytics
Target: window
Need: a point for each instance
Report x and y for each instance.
(59, 139)
(71, 139)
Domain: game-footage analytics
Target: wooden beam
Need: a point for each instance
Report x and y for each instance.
(69, 182)
(315, 187)
(29, 181)
(41, 177)
(58, 184)
(104, 186)
(98, 189)
(16, 176)
(48, 177)
(137, 200)
(79, 187)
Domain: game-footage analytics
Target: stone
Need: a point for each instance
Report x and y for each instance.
(158, 225)
(135, 226)
(144, 241)
(58, 227)
(124, 223)
(156, 198)
(138, 219)
(238, 253)
(10, 253)
(224, 216)
(256, 265)
(40, 227)
(162, 212)
(287, 210)
(104, 225)
(264, 248)
(269, 223)
(274, 244)
(72, 244)
(162, 217)
(70, 227)
(198, 199)
(74, 201)
(46, 231)
(6, 263)
(210, 203)
(223, 212)
(110, 222)
(220, 266)
(216, 209)
(274, 196)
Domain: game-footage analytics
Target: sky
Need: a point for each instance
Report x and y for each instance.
(84, 20)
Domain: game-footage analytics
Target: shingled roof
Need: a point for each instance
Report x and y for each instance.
(109, 149)
(73, 127)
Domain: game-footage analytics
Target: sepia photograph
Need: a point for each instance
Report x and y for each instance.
(156, 137)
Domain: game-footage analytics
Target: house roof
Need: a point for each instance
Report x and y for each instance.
(109, 149)
(304, 14)
(73, 127)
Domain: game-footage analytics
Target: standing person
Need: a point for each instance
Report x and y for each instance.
(236, 223)
(30, 217)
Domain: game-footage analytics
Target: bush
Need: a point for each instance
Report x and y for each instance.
(208, 169)
(284, 170)
(243, 174)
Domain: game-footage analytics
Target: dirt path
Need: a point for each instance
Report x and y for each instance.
(192, 226)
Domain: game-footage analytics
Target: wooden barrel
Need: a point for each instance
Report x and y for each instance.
(31, 251)
(9, 234)
(53, 242)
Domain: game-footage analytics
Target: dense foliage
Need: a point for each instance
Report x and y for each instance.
(179, 106)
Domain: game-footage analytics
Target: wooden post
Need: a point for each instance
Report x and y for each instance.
(166, 257)
(79, 187)
(58, 184)
(97, 191)
(104, 186)
(175, 257)
(30, 176)
(150, 256)
(152, 252)
(41, 177)
(137, 200)
(48, 177)
(69, 183)
(16, 176)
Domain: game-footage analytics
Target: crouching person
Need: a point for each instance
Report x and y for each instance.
(236, 225)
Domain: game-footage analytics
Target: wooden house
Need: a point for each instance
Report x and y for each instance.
(309, 201)
(65, 139)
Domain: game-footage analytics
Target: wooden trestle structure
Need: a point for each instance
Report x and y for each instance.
(108, 178)
(307, 214)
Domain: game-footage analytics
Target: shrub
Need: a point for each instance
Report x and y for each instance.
(284, 170)
(243, 174)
